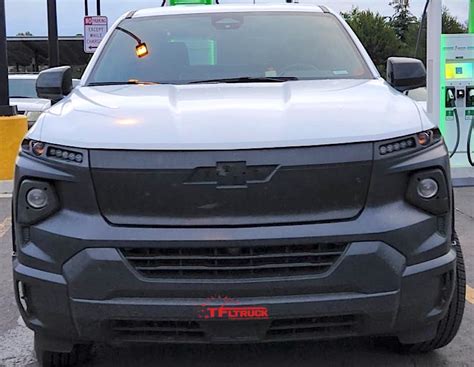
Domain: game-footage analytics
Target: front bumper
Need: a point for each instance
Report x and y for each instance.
(100, 298)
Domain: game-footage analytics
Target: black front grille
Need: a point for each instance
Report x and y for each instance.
(143, 330)
(313, 327)
(189, 331)
(234, 262)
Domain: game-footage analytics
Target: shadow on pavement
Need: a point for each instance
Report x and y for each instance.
(360, 352)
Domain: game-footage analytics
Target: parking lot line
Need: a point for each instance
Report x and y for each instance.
(5, 226)
(470, 295)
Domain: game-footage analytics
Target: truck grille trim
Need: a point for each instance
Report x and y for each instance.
(195, 331)
(343, 325)
(234, 262)
(144, 330)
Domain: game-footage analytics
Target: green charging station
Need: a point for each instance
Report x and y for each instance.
(190, 2)
(457, 93)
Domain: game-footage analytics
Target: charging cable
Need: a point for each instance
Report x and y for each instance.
(450, 102)
(469, 138)
(470, 95)
(458, 133)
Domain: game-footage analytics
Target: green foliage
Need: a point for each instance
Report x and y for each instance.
(384, 37)
(451, 24)
(376, 34)
(402, 20)
(25, 34)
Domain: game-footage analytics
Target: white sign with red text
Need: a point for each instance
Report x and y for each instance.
(95, 28)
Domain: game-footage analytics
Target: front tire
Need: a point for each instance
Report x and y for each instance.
(449, 326)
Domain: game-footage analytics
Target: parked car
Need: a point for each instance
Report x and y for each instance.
(23, 95)
(420, 95)
(234, 174)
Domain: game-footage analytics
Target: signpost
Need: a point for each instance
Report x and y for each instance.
(5, 109)
(53, 42)
(95, 29)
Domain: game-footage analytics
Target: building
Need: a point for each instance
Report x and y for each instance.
(30, 54)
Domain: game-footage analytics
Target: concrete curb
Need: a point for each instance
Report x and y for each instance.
(6, 188)
(462, 177)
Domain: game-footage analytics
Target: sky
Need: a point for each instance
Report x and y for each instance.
(30, 15)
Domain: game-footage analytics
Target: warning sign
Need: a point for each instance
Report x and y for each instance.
(95, 29)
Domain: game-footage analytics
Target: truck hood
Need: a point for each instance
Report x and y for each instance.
(230, 116)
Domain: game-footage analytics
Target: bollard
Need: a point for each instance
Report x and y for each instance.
(12, 131)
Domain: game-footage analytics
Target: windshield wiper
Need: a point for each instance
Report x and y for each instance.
(129, 82)
(248, 79)
(21, 97)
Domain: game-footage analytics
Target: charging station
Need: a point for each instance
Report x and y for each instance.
(457, 87)
(450, 85)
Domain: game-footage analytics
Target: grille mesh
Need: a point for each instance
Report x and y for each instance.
(326, 326)
(144, 330)
(194, 331)
(234, 262)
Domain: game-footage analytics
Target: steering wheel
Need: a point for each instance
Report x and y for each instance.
(299, 66)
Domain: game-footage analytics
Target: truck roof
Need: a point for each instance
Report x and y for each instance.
(194, 9)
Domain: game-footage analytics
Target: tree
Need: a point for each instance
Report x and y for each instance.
(25, 34)
(402, 19)
(376, 34)
(396, 36)
(451, 24)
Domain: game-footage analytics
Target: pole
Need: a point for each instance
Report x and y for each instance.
(471, 17)
(434, 61)
(5, 108)
(98, 7)
(13, 127)
(53, 43)
(86, 7)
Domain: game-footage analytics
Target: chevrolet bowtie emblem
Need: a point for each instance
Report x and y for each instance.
(231, 175)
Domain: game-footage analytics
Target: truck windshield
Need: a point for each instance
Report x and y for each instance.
(229, 47)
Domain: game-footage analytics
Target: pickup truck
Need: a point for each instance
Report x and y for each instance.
(234, 174)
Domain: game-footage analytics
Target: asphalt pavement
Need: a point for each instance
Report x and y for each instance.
(16, 341)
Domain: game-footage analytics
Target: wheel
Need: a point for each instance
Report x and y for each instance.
(449, 326)
(79, 354)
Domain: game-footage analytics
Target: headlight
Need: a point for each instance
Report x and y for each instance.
(427, 188)
(37, 148)
(410, 143)
(54, 152)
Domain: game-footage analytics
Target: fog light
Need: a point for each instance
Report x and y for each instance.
(37, 198)
(427, 188)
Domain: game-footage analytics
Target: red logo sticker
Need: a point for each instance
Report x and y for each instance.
(230, 310)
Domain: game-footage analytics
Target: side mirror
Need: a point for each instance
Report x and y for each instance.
(55, 83)
(405, 74)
